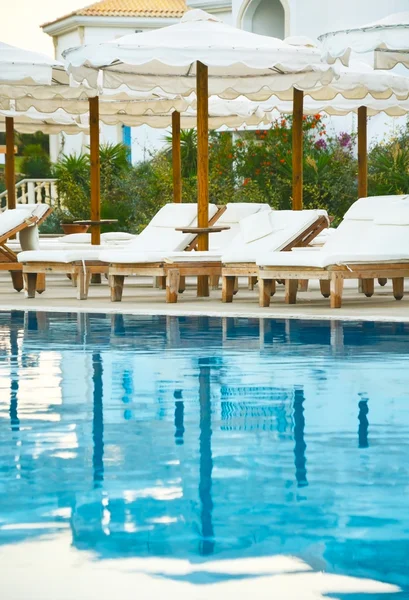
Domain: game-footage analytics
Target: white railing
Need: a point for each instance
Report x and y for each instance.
(33, 191)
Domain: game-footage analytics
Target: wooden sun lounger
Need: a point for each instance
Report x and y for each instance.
(231, 272)
(331, 280)
(8, 258)
(174, 274)
(81, 272)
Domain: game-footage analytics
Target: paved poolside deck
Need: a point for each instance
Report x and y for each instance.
(141, 298)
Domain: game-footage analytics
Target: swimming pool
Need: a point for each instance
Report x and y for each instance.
(204, 452)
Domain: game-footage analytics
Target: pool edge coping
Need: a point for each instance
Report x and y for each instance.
(208, 313)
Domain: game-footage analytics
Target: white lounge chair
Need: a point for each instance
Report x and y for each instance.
(132, 261)
(82, 262)
(371, 242)
(291, 228)
(22, 221)
(280, 232)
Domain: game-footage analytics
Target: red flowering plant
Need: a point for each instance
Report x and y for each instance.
(265, 158)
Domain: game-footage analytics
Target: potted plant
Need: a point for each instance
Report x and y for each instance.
(68, 225)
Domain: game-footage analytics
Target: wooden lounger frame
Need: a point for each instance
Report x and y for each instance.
(81, 272)
(331, 280)
(80, 276)
(231, 271)
(173, 275)
(8, 258)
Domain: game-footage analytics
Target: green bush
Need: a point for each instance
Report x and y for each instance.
(35, 163)
(389, 165)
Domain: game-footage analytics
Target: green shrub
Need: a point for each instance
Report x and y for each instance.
(35, 163)
(389, 165)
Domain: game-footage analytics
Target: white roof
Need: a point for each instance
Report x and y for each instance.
(239, 62)
(388, 37)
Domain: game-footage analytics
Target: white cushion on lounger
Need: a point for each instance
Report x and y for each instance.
(174, 215)
(10, 219)
(75, 238)
(398, 214)
(234, 213)
(256, 226)
(85, 238)
(160, 239)
(287, 226)
(292, 259)
(59, 256)
(165, 238)
(117, 236)
(40, 210)
(128, 257)
(192, 257)
(370, 208)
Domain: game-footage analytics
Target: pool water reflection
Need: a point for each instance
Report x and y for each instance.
(203, 439)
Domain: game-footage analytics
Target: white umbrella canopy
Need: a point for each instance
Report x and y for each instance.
(222, 113)
(26, 73)
(203, 54)
(33, 121)
(357, 81)
(112, 103)
(239, 62)
(388, 38)
(339, 106)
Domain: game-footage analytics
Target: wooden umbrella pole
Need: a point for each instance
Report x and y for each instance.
(95, 170)
(362, 152)
(176, 158)
(298, 105)
(10, 164)
(202, 86)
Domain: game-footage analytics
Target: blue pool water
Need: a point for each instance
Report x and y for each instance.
(207, 439)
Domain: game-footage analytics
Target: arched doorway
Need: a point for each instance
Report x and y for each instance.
(266, 17)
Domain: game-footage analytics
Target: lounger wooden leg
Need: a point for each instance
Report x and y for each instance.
(325, 287)
(116, 283)
(17, 279)
(264, 292)
(172, 285)
(398, 287)
(252, 282)
(30, 284)
(236, 285)
(227, 288)
(368, 287)
(291, 287)
(382, 281)
(182, 284)
(214, 282)
(74, 279)
(203, 286)
(40, 286)
(162, 283)
(337, 287)
(303, 285)
(84, 279)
